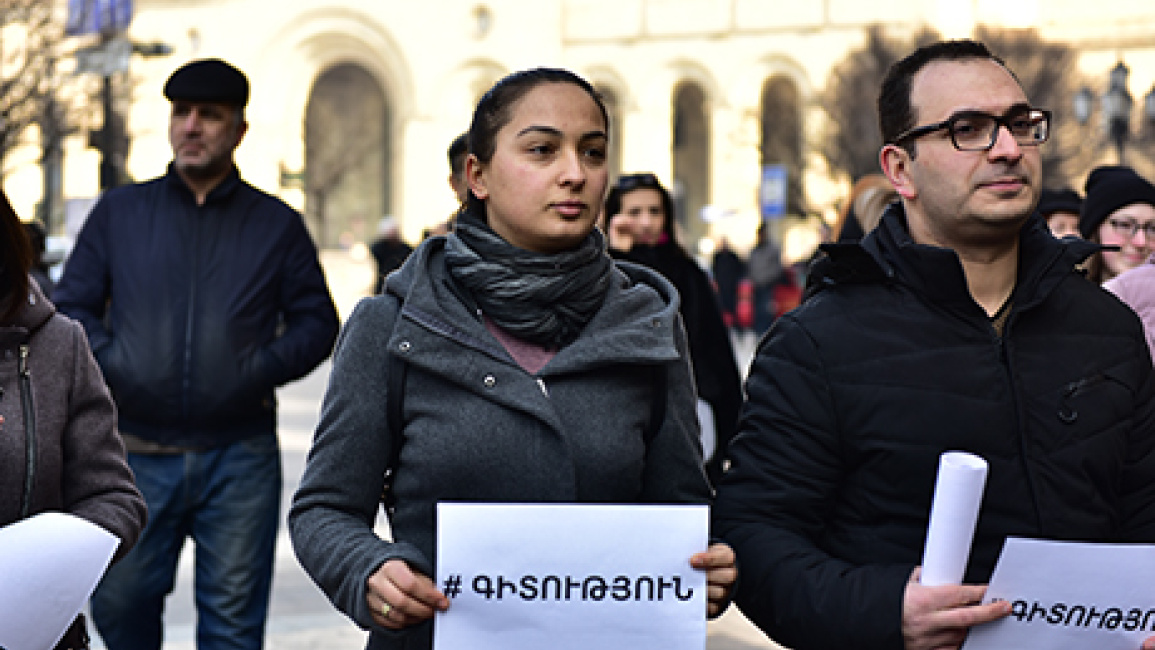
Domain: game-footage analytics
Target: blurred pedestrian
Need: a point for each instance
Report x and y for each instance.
(868, 199)
(764, 266)
(642, 207)
(38, 240)
(549, 354)
(1136, 287)
(958, 323)
(728, 269)
(389, 250)
(457, 153)
(200, 295)
(1118, 212)
(1060, 208)
(59, 449)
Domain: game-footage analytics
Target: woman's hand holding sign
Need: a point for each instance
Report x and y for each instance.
(399, 597)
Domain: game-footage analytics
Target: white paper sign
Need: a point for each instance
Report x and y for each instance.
(1068, 595)
(958, 492)
(49, 565)
(570, 577)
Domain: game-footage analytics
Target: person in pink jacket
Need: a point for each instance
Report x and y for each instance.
(1137, 288)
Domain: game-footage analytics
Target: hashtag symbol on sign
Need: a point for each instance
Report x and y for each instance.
(453, 586)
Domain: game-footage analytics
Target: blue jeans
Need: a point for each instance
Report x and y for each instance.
(228, 501)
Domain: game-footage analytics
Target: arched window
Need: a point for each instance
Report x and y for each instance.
(348, 156)
(691, 143)
(781, 142)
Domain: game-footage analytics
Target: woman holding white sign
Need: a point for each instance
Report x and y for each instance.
(509, 361)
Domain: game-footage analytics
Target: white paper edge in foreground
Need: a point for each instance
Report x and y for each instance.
(49, 565)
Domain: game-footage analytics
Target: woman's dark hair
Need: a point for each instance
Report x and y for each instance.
(895, 113)
(15, 260)
(495, 110)
(627, 183)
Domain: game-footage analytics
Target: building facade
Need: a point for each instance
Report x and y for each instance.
(354, 102)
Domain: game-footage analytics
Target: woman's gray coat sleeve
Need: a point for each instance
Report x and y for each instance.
(334, 509)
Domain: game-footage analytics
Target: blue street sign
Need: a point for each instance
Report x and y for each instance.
(98, 16)
(773, 190)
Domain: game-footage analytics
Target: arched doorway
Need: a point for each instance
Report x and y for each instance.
(691, 143)
(781, 142)
(348, 156)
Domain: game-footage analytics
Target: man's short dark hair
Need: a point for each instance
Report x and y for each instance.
(895, 113)
(458, 149)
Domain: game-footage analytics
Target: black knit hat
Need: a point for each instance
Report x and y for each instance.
(1064, 200)
(208, 80)
(1108, 189)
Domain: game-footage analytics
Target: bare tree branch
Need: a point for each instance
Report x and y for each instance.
(32, 91)
(1047, 71)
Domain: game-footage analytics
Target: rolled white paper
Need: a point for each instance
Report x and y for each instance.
(953, 514)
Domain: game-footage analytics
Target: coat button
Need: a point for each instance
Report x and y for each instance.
(657, 322)
(490, 381)
(404, 346)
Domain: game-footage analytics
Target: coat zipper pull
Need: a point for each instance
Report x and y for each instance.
(541, 385)
(23, 363)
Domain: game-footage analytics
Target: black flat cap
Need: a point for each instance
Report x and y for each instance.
(208, 80)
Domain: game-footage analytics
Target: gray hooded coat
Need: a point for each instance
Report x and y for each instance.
(477, 427)
(51, 389)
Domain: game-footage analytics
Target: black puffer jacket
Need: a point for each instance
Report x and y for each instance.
(889, 363)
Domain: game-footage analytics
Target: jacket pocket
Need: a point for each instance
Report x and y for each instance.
(1093, 404)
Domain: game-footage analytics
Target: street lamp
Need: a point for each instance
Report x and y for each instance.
(110, 57)
(1116, 105)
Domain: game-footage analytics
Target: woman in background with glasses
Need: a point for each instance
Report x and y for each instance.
(640, 227)
(1119, 211)
(1131, 227)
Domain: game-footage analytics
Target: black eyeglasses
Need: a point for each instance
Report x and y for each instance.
(628, 182)
(1126, 228)
(978, 131)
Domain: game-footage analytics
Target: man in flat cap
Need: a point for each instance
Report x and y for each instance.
(200, 295)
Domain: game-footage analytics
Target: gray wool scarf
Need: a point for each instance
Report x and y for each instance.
(541, 298)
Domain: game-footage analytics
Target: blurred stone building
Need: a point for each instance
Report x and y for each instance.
(355, 101)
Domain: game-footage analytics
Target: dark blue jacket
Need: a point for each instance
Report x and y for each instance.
(196, 313)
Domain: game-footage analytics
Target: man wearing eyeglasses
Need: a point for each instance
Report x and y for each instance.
(959, 323)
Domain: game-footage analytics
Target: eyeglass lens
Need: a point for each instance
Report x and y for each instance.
(1128, 227)
(979, 131)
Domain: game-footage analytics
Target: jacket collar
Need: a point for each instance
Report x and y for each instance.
(28, 319)
(221, 192)
(889, 253)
